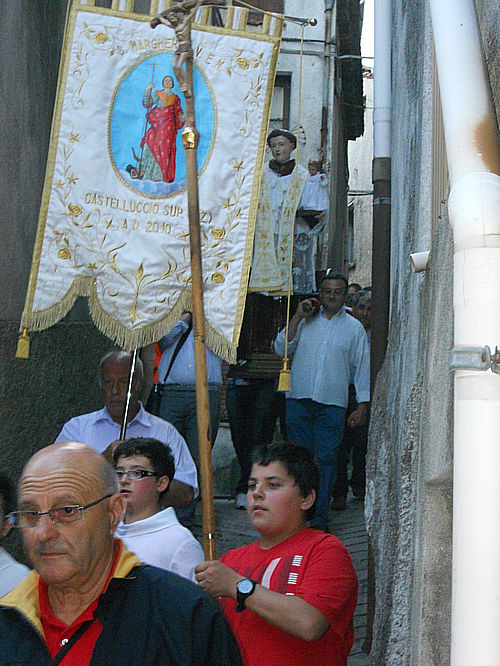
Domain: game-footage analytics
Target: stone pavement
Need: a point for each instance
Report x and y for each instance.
(233, 530)
(349, 527)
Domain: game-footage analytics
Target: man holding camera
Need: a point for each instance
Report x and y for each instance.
(329, 350)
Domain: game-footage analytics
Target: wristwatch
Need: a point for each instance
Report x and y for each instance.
(244, 588)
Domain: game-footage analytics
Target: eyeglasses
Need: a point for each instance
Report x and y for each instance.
(61, 515)
(134, 474)
(337, 292)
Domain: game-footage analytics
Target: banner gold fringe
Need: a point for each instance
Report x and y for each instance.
(123, 337)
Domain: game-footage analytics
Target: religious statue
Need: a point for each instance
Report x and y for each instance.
(165, 118)
(292, 204)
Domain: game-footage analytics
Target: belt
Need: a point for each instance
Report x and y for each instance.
(185, 387)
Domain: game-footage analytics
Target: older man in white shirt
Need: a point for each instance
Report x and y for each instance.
(101, 429)
(330, 350)
(11, 571)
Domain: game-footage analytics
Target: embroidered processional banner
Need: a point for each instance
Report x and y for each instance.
(113, 223)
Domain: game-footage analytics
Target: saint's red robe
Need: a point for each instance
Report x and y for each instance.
(162, 133)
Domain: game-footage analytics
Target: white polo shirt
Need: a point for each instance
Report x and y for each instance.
(162, 541)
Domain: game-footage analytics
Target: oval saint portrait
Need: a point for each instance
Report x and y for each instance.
(146, 119)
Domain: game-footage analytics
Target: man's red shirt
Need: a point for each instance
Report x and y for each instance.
(57, 633)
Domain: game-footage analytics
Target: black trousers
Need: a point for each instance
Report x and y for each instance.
(251, 419)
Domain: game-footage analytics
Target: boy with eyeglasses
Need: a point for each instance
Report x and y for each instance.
(145, 467)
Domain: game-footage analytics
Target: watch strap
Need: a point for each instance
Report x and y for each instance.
(241, 597)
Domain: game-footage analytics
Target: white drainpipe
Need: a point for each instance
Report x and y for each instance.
(473, 152)
(382, 101)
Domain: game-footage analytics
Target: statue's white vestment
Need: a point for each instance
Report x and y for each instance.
(280, 198)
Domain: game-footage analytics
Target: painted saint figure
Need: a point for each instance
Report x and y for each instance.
(165, 118)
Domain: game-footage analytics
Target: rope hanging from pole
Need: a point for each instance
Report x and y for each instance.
(133, 362)
(284, 383)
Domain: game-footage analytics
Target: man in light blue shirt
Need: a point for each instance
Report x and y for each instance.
(178, 402)
(329, 350)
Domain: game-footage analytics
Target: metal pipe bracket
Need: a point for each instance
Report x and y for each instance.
(465, 357)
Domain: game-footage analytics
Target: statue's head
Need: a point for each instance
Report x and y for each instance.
(282, 132)
(281, 143)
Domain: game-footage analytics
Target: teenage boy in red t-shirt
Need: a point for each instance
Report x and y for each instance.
(291, 595)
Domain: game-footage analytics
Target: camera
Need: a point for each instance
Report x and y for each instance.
(311, 305)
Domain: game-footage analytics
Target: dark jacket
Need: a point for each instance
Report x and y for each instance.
(149, 617)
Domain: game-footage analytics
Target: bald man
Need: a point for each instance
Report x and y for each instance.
(101, 428)
(90, 600)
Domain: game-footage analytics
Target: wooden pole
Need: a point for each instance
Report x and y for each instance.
(177, 17)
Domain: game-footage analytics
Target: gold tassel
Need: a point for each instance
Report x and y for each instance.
(23, 345)
(284, 380)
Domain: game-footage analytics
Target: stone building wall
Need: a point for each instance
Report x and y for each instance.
(409, 467)
(59, 380)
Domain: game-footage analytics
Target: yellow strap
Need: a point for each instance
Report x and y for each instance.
(285, 379)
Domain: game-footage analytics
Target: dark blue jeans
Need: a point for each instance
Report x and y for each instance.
(318, 428)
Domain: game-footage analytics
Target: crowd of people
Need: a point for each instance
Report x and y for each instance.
(117, 578)
(327, 409)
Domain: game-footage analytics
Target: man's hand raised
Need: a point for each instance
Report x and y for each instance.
(307, 307)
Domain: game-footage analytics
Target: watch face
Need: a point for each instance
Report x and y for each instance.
(245, 586)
